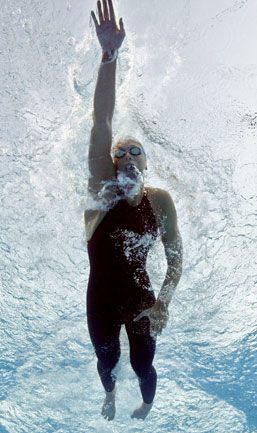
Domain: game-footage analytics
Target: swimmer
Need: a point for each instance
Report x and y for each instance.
(120, 234)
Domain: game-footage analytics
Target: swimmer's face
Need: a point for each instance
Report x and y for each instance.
(129, 160)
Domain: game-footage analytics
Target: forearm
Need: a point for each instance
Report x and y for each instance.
(104, 97)
(171, 281)
(174, 256)
(159, 313)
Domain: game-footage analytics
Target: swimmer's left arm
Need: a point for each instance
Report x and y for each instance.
(158, 314)
(172, 242)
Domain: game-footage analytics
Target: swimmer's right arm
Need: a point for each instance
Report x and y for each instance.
(110, 38)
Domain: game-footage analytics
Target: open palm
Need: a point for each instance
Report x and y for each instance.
(109, 35)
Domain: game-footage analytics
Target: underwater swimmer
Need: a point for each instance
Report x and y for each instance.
(121, 228)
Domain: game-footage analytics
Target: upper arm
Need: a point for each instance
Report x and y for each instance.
(100, 162)
(170, 232)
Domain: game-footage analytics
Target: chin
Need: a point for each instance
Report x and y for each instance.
(130, 181)
(132, 171)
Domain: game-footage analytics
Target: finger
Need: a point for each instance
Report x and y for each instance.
(143, 314)
(157, 331)
(153, 332)
(111, 10)
(156, 328)
(100, 13)
(121, 25)
(163, 324)
(94, 18)
(106, 12)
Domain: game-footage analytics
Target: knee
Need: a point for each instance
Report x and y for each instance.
(141, 367)
(141, 360)
(107, 357)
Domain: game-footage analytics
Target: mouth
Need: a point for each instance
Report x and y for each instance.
(130, 167)
(130, 179)
(131, 170)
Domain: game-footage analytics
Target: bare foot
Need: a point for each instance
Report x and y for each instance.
(142, 411)
(108, 409)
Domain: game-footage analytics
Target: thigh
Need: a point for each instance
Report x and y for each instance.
(142, 344)
(104, 333)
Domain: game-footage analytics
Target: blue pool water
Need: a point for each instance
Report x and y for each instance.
(187, 88)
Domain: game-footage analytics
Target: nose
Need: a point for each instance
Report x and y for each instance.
(128, 155)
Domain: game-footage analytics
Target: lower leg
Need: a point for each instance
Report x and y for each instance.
(104, 333)
(142, 350)
(108, 380)
(147, 387)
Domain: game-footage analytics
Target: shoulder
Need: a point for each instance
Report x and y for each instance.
(161, 199)
(165, 212)
(92, 219)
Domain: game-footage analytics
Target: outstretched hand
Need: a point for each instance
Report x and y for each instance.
(109, 35)
(158, 315)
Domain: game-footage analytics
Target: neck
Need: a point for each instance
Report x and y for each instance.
(136, 199)
(131, 185)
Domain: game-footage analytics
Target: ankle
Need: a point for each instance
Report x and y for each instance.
(147, 405)
(110, 394)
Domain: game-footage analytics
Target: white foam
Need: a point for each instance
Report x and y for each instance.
(130, 181)
(127, 184)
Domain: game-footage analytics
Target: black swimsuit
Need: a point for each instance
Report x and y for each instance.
(119, 289)
(119, 284)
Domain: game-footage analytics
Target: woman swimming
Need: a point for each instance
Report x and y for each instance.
(121, 227)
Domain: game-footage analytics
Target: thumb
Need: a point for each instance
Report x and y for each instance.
(142, 314)
(121, 25)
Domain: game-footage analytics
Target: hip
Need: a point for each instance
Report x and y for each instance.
(123, 306)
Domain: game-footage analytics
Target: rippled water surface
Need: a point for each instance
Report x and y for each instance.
(186, 87)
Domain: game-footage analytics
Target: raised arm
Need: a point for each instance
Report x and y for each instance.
(110, 38)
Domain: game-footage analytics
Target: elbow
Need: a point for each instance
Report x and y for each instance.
(101, 119)
(174, 269)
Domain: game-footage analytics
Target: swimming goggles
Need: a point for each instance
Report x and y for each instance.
(134, 150)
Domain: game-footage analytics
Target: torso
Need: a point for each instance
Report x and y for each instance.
(94, 217)
(118, 248)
